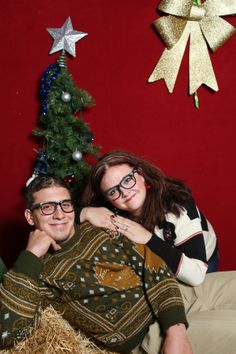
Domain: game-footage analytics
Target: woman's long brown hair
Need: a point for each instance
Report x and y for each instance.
(166, 194)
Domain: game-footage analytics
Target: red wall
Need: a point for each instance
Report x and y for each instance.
(113, 63)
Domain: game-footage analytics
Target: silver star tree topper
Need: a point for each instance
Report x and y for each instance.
(65, 38)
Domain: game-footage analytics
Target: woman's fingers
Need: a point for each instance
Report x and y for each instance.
(131, 229)
(121, 223)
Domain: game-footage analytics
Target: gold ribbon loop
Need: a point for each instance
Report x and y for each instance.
(176, 7)
(170, 29)
(219, 7)
(210, 26)
(204, 26)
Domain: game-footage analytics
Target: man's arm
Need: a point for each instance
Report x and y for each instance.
(19, 299)
(164, 297)
(20, 290)
(176, 341)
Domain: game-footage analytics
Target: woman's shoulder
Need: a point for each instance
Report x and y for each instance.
(190, 208)
(188, 211)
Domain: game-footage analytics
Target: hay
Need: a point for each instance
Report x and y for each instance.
(55, 335)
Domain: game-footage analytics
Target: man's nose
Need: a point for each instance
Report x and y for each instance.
(59, 212)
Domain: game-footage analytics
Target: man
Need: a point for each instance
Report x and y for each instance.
(105, 285)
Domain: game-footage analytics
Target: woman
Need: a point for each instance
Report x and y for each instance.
(138, 200)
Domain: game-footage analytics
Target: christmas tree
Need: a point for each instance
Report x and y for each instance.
(67, 140)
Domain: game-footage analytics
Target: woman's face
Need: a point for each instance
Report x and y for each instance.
(125, 188)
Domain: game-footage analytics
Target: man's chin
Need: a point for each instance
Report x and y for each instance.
(62, 238)
(60, 234)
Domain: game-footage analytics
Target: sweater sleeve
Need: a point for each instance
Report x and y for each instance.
(162, 290)
(187, 256)
(19, 299)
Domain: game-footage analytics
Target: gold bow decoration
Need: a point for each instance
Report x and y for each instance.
(204, 26)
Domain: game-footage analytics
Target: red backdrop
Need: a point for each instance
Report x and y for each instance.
(113, 63)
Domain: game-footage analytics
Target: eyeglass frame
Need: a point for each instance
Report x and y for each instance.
(119, 185)
(55, 204)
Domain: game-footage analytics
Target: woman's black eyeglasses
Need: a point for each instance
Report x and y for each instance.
(127, 182)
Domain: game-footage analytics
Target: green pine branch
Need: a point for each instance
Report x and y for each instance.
(63, 130)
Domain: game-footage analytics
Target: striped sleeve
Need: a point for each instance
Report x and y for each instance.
(186, 256)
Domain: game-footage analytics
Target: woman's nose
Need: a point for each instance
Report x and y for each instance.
(123, 192)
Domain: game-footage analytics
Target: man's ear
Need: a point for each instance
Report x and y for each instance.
(29, 217)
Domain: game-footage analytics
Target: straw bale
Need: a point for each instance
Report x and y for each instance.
(55, 335)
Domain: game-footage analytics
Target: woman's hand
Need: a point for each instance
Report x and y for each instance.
(101, 217)
(131, 229)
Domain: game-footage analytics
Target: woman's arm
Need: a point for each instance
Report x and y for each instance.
(97, 216)
(186, 256)
(187, 259)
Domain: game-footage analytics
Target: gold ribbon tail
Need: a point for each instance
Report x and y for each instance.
(200, 66)
(168, 65)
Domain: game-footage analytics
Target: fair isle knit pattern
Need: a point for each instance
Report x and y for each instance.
(111, 289)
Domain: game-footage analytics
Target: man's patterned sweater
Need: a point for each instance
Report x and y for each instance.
(112, 289)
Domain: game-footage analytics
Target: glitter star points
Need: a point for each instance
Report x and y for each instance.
(65, 38)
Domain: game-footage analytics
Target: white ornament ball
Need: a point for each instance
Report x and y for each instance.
(66, 97)
(77, 155)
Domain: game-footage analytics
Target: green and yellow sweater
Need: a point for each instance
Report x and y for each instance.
(110, 289)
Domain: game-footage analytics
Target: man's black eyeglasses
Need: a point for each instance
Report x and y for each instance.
(49, 208)
(127, 182)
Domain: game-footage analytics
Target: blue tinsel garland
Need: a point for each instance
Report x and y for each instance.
(47, 79)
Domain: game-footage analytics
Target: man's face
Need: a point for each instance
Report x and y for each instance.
(59, 225)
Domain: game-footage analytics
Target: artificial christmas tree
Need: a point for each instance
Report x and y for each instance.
(67, 140)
